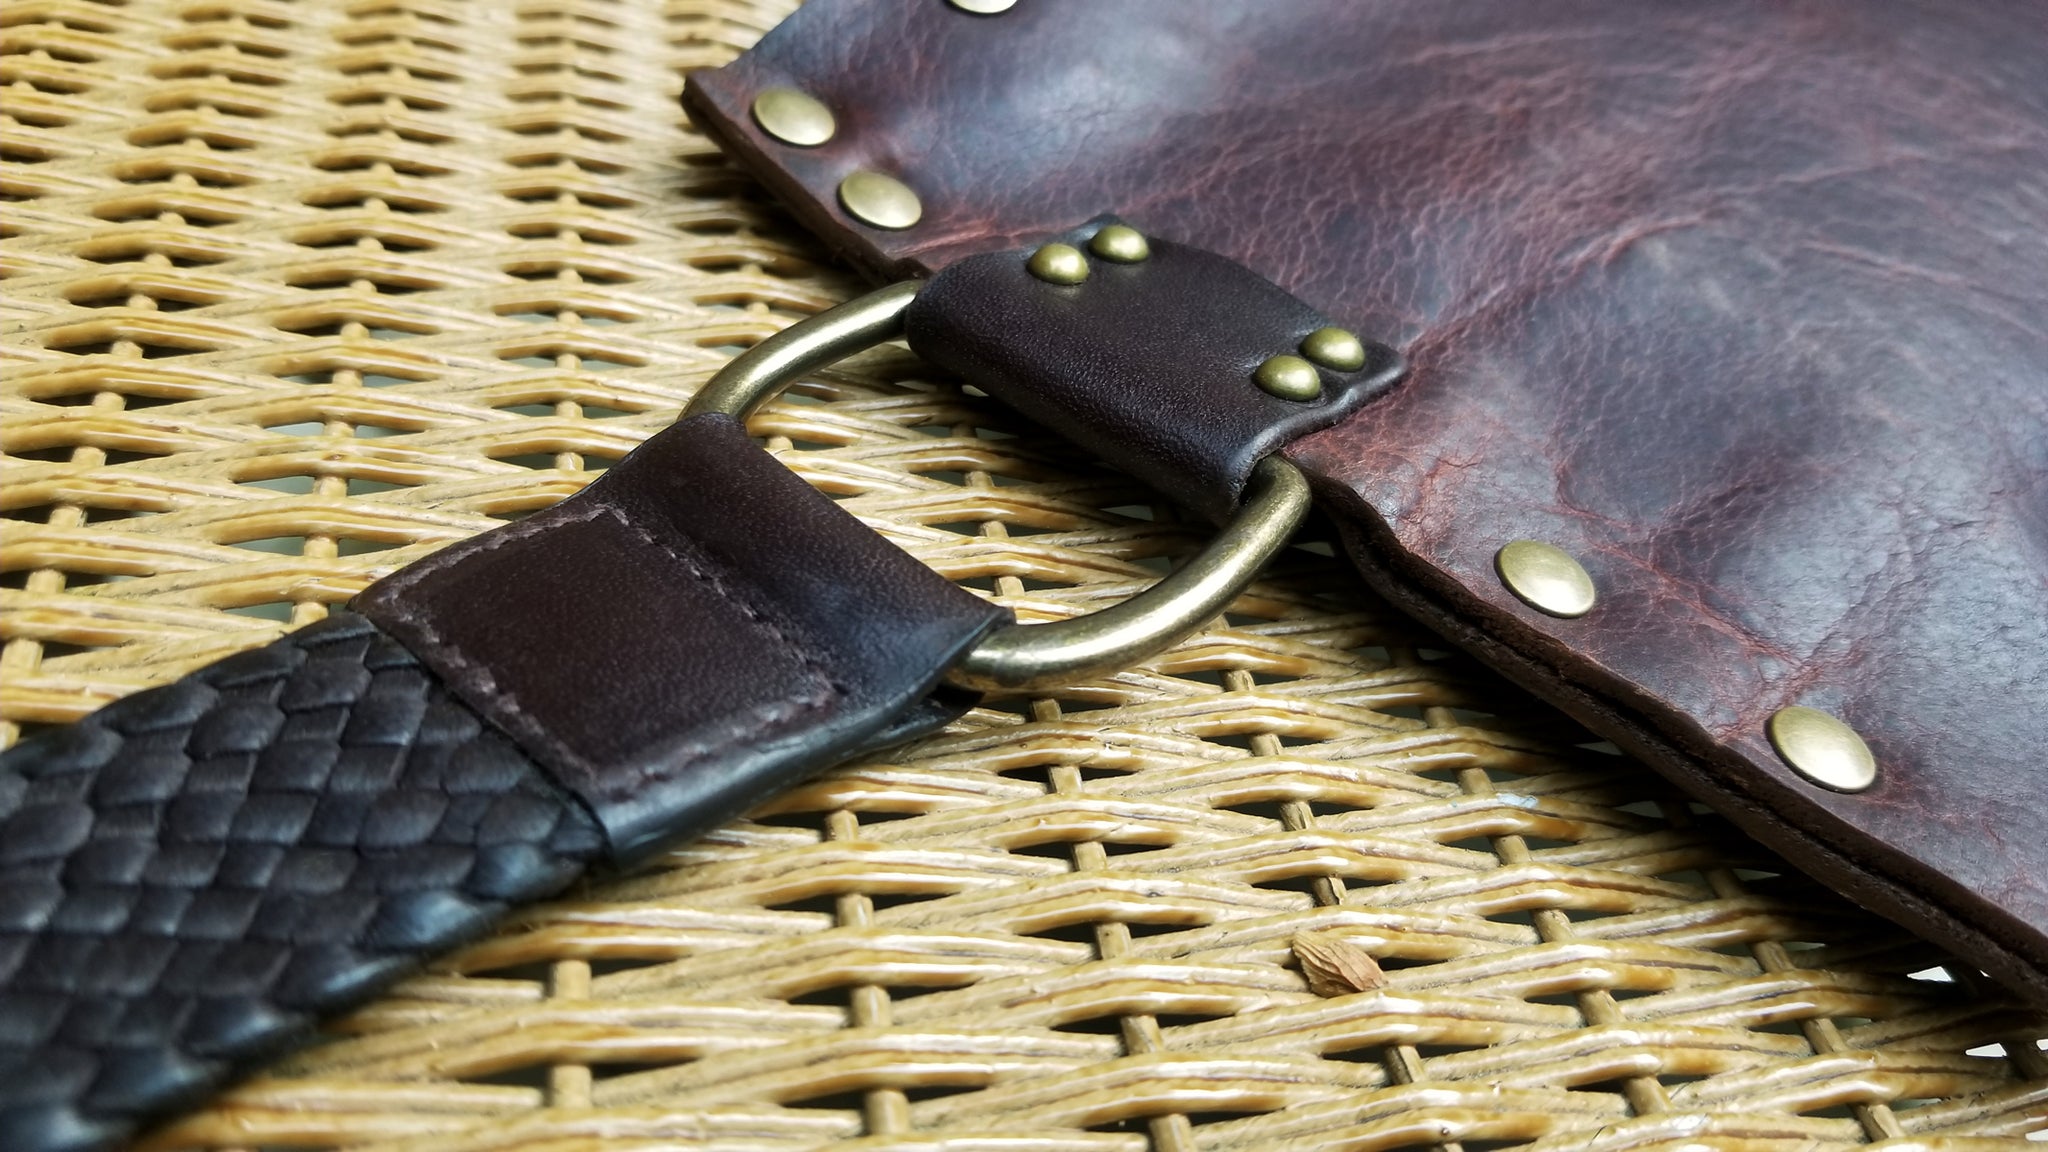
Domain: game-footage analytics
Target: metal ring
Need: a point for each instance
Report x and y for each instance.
(1029, 657)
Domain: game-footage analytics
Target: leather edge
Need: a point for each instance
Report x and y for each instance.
(1697, 765)
(707, 94)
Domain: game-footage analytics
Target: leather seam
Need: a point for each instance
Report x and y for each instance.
(412, 574)
(825, 687)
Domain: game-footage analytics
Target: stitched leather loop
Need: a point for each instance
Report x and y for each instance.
(694, 631)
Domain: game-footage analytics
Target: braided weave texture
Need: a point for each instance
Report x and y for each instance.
(191, 875)
(298, 293)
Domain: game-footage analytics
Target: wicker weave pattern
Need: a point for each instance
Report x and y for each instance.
(298, 293)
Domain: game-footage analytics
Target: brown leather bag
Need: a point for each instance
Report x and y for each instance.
(1743, 306)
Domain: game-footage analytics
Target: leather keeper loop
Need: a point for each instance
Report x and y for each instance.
(1150, 365)
(696, 630)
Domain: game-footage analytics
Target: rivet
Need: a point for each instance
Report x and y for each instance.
(1822, 749)
(1289, 378)
(1334, 348)
(1546, 578)
(794, 117)
(1120, 244)
(1059, 264)
(983, 7)
(880, 200)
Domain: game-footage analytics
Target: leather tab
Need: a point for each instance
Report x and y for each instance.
(1148, 365)
(692, 632)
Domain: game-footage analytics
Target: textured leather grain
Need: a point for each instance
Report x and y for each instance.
(1149, 364)
(190, 876)
(193, 875)
(691, 633)
(1740, 303)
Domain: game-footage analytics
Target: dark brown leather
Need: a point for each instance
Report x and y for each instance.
(1149, 364)
(1741, 303)
(192, 875)
(694, 631)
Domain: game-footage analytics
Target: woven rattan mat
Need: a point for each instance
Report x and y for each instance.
(299, 292)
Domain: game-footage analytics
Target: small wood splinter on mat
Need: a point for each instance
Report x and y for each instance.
(1336, 967)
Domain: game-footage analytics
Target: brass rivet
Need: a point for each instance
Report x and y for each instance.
(1334, 348)
(794, 117)
(983, 7)
(1059, 264)
(1546, 578)
(1121, 244)
(1822, 749)
(882, 201)
(1289, 378)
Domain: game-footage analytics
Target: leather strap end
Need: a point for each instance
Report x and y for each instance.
(696, 630)
(193, 876)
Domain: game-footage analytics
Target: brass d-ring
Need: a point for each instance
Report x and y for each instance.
(1029, 657)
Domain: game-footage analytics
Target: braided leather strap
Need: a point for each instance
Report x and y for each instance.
(191, 876)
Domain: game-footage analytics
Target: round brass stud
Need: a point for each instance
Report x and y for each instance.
(1334, 348)
(1822, 749)
(1059, 264)
(1546, 578)
(880, 200)
(1121, 244)
(1289, 378)
(794, 117)
(983, 7)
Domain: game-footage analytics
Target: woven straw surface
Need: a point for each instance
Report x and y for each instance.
(299, 292)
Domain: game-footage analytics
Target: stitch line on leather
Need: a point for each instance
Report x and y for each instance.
(824, 688)
(412, 574)
(833, 687)
(427, 566)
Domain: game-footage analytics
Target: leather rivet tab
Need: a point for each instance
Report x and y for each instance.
(794, 117)
(880, 200)
(1822, 749)
(1059, 264)
(983, 7)
(1289, 378)
(1120, 244)
(1546, 578)
(1334, 348)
